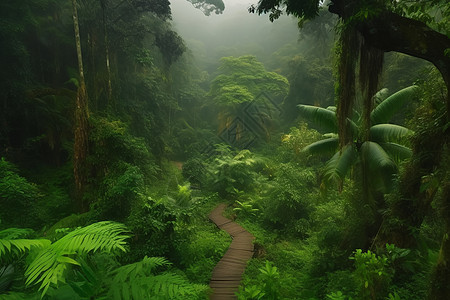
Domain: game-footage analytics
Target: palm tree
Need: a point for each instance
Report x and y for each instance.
(377, 151)
(372, 153)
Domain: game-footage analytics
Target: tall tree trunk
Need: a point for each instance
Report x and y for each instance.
(80, 147)
(108, 69)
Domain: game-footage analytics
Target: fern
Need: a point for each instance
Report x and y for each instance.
(139, 281)
(50, 264)
(11, 246)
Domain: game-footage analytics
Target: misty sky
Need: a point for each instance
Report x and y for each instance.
(234, 32)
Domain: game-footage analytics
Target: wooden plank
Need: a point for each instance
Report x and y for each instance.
(228, 272)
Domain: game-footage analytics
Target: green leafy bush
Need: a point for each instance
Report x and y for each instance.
(234, 173)
(120, 166)
(18, 197)
(372, 274)
(288, 202)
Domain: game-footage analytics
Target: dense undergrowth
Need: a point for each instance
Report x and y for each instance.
(342, 206)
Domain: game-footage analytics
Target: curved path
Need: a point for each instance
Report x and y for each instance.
(228, 272)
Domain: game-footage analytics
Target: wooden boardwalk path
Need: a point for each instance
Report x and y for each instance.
(228, 272)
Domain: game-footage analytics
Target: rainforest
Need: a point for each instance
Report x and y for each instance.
(225, 149)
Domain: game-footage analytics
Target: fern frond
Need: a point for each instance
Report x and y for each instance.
(140, 281)
(11, 246)
(14, 233)
(50, 264)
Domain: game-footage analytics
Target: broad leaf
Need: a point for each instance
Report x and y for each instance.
(381, 166)
(396, 151)
(338, 166)
(391, 105)
(389, 133)
(327, 146)
(322, 117)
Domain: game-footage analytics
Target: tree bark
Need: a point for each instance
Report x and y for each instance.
(80, 147)
(391, 32)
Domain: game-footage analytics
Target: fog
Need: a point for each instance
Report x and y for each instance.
(234, 32)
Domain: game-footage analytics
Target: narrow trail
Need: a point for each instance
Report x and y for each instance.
(228, 272)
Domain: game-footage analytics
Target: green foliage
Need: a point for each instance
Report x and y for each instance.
(121, 165)
(13, 244)
(49, 265)
(153, 222)
(18, 197)
(377, 157)
(234, 173)
(141, 280)
(298, 138)
(384, 111)
(245, 208)
(268, 287)
(372, 274)
(242, 79)
(288, 200)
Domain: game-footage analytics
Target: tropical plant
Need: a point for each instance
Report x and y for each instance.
(268, 288)
(377, 150)
(141, 280)
(372, 274)
(245, 208)
(247, 95)
(13, 245)
(234, 173)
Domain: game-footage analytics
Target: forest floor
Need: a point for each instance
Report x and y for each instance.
(227, 274)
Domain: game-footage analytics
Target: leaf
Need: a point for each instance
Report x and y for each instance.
(68, 260)
(380, 164)
(389, 133)
(48, 266)
(338, 166)
(326, 146)
(396, 151)
(391, 105)
(322, 117)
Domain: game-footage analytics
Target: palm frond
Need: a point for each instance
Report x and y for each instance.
(391, 105)
(325, 146)
(338, 166)
(396, 151)
(322, 117)
(49, 265)
(381, 166)
(389, 133)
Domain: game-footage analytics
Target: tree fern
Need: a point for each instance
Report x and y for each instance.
(141, 281)
(50, 264)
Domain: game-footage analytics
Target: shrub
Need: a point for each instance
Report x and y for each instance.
(18, 197)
